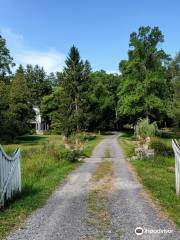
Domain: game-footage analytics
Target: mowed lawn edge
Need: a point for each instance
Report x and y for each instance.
(157, 177)
(41, 174)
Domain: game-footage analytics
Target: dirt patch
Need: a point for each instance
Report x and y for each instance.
(171, 169)
(97, 205)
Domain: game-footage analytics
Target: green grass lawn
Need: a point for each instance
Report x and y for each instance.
(157, 175)
(42, 171)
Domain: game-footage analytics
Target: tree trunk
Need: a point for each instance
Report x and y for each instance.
(65, 140)
(77, 116)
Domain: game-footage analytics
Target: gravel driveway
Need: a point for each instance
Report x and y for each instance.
(62, 218)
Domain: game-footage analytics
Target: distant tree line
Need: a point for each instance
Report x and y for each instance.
(78, 99)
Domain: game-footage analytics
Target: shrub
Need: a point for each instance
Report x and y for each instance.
(60, 152)
(145, 129)
(82, 137)
(160, 148)
(71, 155)
(87, 137)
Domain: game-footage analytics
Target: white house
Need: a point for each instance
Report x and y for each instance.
(39, 123)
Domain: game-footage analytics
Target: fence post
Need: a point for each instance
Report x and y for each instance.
(176, 149)
(10, 175)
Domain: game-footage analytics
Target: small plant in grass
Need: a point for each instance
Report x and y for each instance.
(159, 160)
(86, 136)
(71, 155)
(61, 153)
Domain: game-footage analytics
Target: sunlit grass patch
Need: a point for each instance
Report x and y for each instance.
(127, 141)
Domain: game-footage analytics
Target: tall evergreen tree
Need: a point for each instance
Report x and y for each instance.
(67, 106)
(4, 107)
(20, 107)
(74, 85)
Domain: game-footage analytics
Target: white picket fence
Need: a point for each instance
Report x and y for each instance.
(10, 175)
(176, 149)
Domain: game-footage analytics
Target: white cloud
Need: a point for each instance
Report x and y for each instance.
(113, 72)
(51, 59)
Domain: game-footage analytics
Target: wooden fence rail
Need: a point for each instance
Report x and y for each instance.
(10, 175)
(176, 149)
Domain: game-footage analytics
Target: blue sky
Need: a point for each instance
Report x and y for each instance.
(42, 31)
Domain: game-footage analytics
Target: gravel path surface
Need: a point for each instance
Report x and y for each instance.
(62, 218)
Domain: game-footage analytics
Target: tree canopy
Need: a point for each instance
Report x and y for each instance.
(38, 83)
(144, 87)
(6, 61)
(80, 99)
(175, 74)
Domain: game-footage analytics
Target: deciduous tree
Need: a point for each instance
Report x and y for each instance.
(144, 87)
(6, 61)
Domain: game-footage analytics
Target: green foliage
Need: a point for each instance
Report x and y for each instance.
(74, 97)
(78, 99)
(82, 100)
(38, 82)
(20, 108)
(145, 129)
(144, 87)
(60, 153)
(67, 105)
(72, 155)
(6, 61)
(174, 69)
(15, 107)
(86, 137)
(177, 100)
(161, 148)
(102, 113)
(50, 107)
(4, 104)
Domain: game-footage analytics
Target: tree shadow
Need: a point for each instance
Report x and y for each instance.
(27, 191)
(173, 133)
(30, 139)
(26, 139)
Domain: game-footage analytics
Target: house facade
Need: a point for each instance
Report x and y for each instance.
(39, 123)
